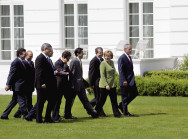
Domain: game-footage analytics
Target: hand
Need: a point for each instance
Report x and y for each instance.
(72, 87)
(107, 87)
(57, 72)
(125, 83)
(43, 86)
(7, 88)
(67, 73)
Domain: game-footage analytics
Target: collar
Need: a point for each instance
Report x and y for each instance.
(45, 55)
(20, 59)
(78, 59)
(127, 56)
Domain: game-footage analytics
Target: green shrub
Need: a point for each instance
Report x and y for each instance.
(159, 83)
(170, 74)
(184, 66)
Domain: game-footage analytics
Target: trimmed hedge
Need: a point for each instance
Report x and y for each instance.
(171, 74)
(159, 83)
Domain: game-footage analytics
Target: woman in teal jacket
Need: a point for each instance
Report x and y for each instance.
(107, 84)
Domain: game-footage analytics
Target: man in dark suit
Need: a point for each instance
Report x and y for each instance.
(94, 74)
(16, 82)
(79, 88)
(126, 79)
(64, 87)
(45, 83)
(30, 78)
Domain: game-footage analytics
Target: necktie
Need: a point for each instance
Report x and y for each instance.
(23, 64)
(81, 64)
(130, 59)
(50, 61)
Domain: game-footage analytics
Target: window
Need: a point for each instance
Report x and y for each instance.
(76, 25)
(141, 25)
(11, 30)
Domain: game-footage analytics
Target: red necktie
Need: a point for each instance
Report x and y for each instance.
(23, 64)
(130, 59)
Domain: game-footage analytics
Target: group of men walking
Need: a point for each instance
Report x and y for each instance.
(52, 82)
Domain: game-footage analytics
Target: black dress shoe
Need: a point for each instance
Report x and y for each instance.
(103, 115)
(48, 121)
(17, 116)
(129, 114)
(28, 119)
(71, 117)
(5, 118)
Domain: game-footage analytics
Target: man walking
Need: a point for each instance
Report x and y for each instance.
(16, 82)
(126, 79)
(78, 82)
(45, 83)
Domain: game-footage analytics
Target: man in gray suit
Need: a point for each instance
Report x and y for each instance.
(79, 82)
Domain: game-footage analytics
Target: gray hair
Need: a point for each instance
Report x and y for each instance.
(28, 51)
(98, 48)
(126, 45)
(45, 46)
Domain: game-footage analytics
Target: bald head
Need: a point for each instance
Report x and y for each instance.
(29, 55)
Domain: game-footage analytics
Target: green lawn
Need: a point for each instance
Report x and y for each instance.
(156, 118)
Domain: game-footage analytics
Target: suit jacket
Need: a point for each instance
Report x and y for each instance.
(63, 81)
(125, 68)
(94, 70)
(77, 72)
(30, 76)
(44, 74)
(17, 76)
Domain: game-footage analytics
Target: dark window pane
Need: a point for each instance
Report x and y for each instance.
(69, 32)
(133, 8)
(4, 10)
(69, 9)
(69, 20)
(5, 33)
(133, 20)
(18, 33)
(5, 21)
(82, 32)
(5, 45)
(5, 55)
(82, 21)
(134, 31)
(18, 21)
(18, 9)
(69, 43)
(147, 31)
(82, 8)
(148, 7)
(133, 42)
(147, 19)
(18, 44)
(82, 41)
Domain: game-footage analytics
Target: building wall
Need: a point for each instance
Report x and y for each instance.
(106, 24)
(42, 24)
(171, 30)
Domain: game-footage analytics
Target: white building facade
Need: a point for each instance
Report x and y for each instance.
(68, 24)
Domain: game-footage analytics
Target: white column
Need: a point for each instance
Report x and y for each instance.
(126, 19)
(61, 24)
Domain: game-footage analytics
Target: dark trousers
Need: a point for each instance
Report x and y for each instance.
(68, 94)
(32, 112)
(84, 100)
(28, 98)
(128, 94)
(44, 95)
(96, 89)
(18, 97)
(113, 98)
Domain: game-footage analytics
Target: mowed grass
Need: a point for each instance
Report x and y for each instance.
(156, 118)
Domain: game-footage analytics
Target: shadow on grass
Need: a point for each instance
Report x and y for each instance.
(150, 114)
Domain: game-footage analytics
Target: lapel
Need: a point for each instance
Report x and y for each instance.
(21, 64)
